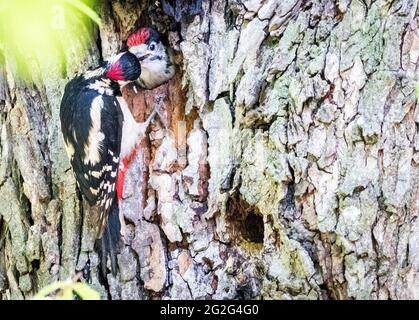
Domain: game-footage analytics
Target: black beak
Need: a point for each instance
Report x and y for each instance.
(144, 57)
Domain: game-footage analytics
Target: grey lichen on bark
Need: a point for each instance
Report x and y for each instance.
(285, 165)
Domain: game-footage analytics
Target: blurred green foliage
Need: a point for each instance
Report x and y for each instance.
(67, 290)
(38, 33)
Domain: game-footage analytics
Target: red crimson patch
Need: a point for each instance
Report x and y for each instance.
(140, 37)
(123, 167)
(115, 72)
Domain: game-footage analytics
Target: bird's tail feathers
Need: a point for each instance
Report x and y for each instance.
(109, 243)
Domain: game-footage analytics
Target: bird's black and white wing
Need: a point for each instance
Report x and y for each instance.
(92, 129)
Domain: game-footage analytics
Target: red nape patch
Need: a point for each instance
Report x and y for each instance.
(115, 72)
(139, 37)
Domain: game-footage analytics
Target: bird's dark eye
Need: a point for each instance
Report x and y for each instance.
(152, 47)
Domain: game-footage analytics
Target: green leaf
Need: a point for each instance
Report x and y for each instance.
(80, 5)
(417, 91)
(4, 5)
(85, 292)
(67, 294)
(49, 289)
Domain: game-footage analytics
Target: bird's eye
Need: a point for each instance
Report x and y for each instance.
(152, 47)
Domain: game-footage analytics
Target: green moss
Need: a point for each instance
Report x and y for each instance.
(252, 248)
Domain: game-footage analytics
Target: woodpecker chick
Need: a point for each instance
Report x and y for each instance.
(99, 133)
(156, 58)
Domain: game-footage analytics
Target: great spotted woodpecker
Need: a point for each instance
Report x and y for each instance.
(99, 134)
(156, 57)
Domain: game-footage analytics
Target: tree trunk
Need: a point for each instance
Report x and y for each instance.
(284, 165)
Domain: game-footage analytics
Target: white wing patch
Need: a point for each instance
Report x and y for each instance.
(108, 203)
(93, 73)
(70, 150)
(74, 136)
(94, 142)
(96, 174)
(102, 87)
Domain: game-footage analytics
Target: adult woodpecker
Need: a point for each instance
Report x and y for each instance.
(100, 135)
(155, 56)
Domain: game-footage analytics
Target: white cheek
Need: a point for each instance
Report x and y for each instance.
(155, 66)
(154, 73)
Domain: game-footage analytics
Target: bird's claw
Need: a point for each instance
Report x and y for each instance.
(124, 230)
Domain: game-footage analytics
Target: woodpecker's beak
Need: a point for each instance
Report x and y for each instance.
(123, 83)
(141, 51)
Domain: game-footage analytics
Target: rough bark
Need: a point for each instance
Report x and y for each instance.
(284, 166)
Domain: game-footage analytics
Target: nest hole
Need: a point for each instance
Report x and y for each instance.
(246, 220)
(253, 228)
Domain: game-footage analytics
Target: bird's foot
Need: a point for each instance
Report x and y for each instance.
(124, 230)
(124, 234)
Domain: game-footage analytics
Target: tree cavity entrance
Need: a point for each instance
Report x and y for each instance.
(246, 220)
